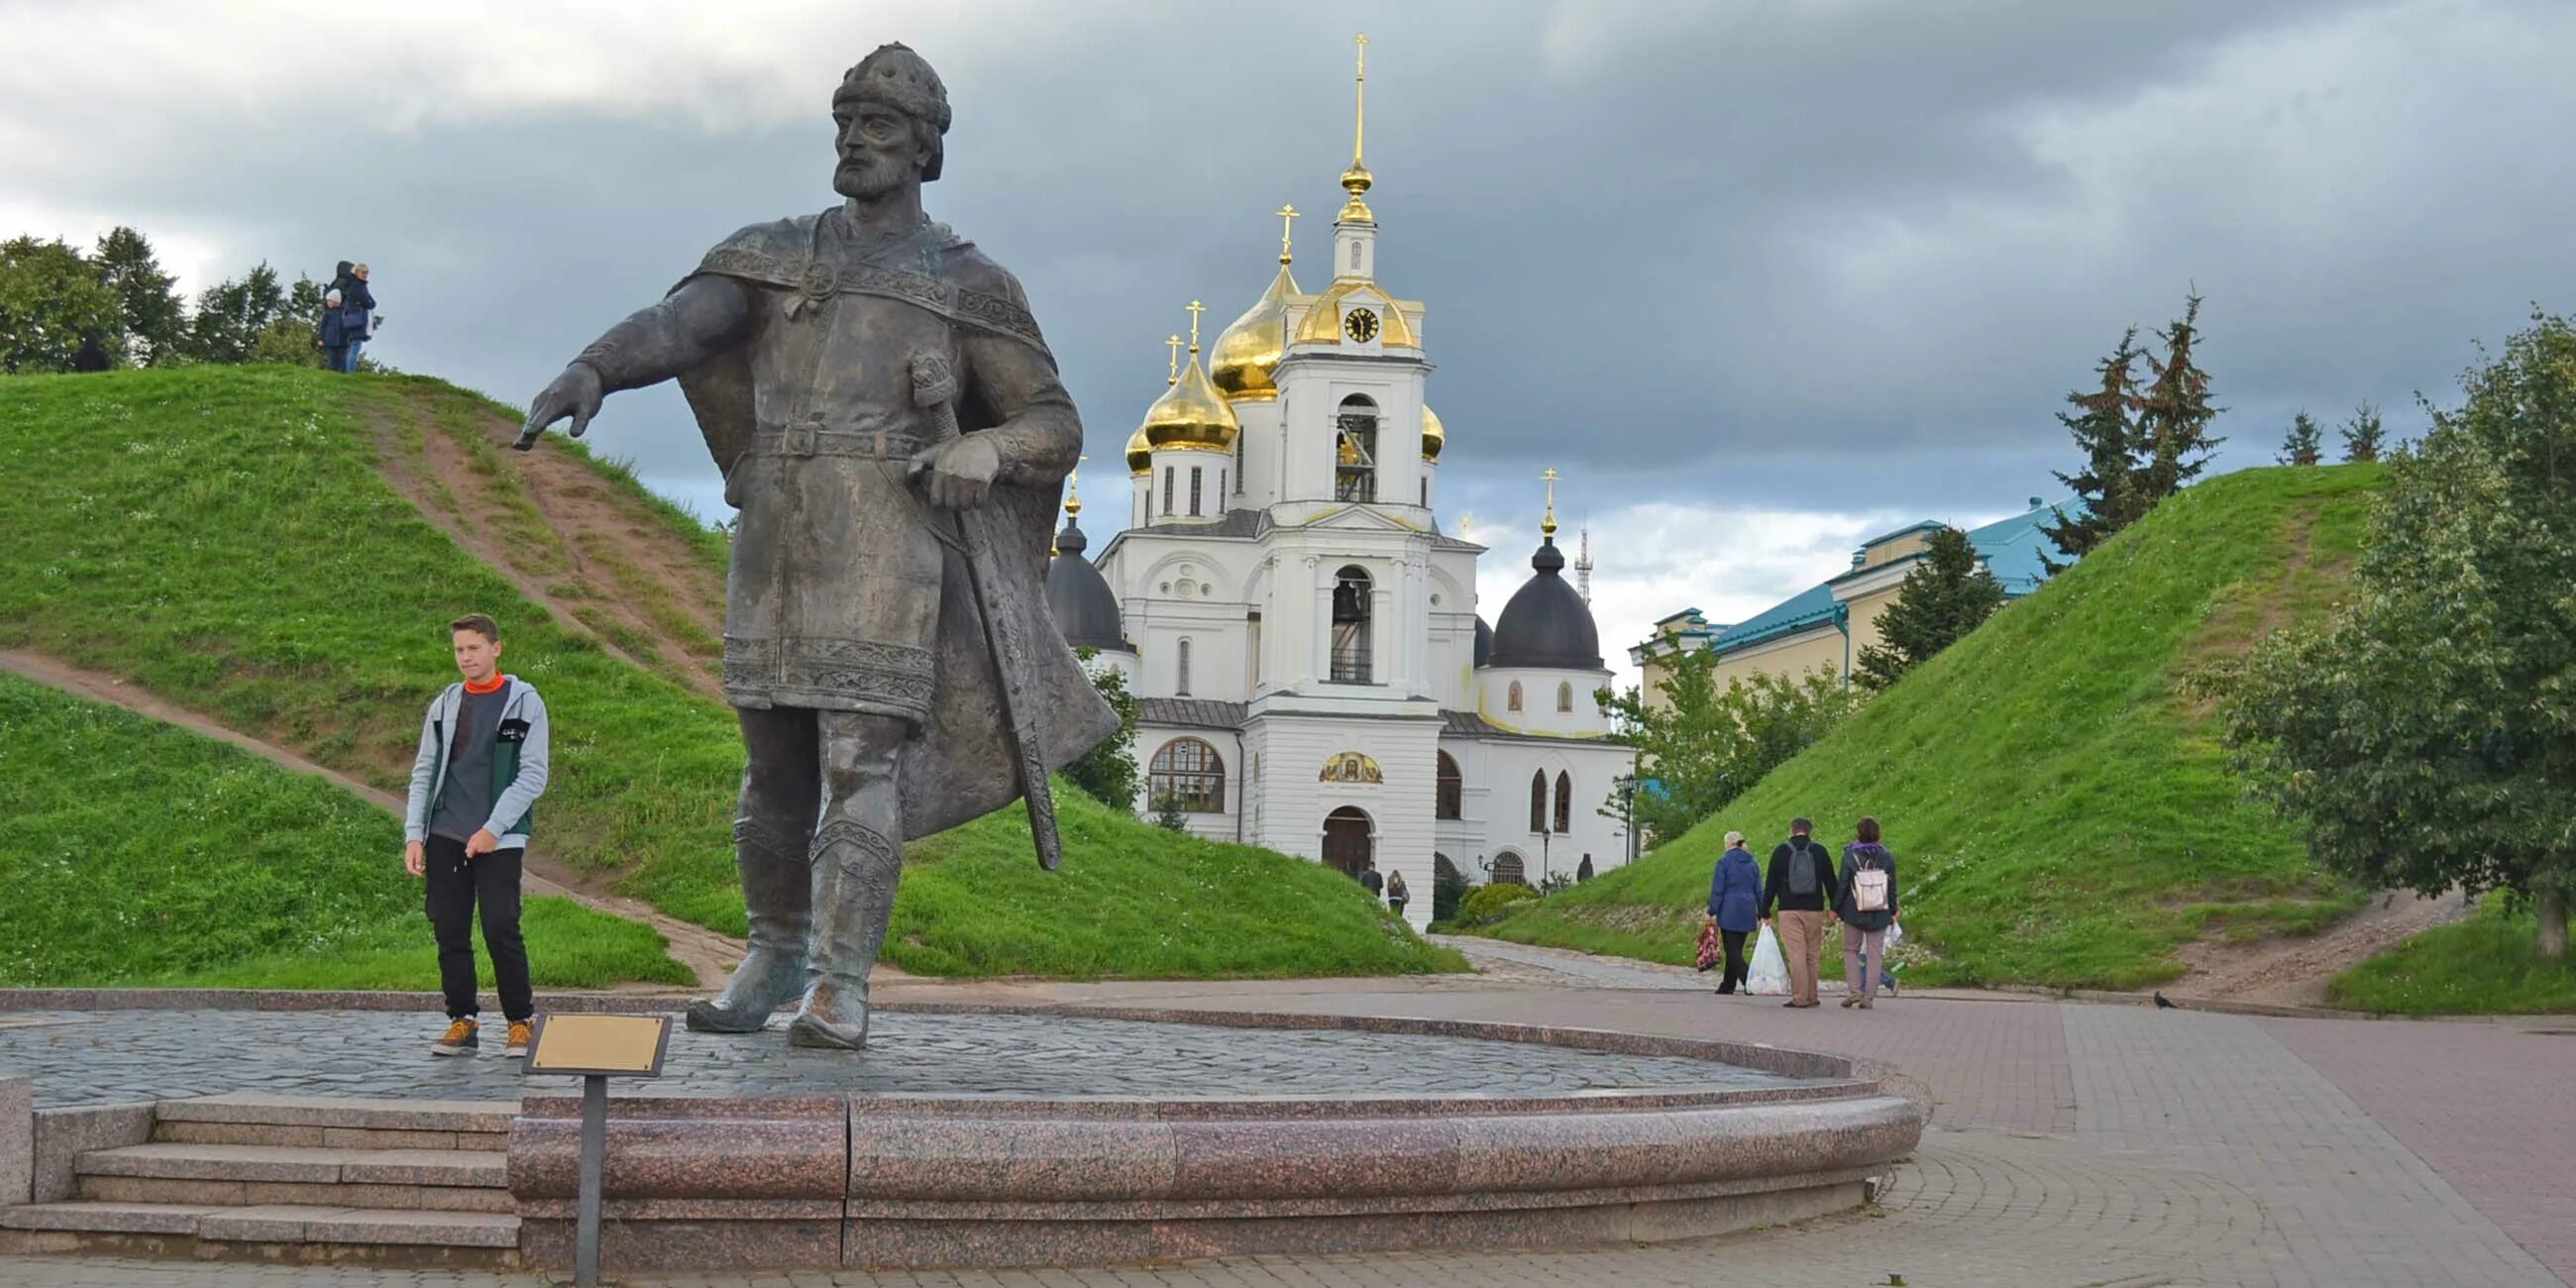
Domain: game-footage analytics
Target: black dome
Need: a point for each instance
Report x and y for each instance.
(1484, 640)
(1079, 596)
(1547, 624)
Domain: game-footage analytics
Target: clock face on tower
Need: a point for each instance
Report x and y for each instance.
(1360, 325)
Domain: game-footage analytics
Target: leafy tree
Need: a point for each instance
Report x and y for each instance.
(1946, 596)
(232, 316)
(50, 302)
(1708, 745)
(2302, 445)
(294, 336)
(1448, 886)
(2104, 426)
(147, 298)
(1168, 814)
(2428, 735)
(2362, 435)
(1107, 773)
(2174, 442)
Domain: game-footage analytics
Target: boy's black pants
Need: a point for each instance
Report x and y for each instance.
(457, 886)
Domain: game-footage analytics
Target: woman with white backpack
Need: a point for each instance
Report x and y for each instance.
(1866, 906)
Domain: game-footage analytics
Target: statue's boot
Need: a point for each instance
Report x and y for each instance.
(855, 872)
(777, 887)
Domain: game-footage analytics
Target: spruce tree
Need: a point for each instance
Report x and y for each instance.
(1946, 596)
(2303, 445)
(2173, 439)
(155, 319)
(2362, 435)
(2105, 430)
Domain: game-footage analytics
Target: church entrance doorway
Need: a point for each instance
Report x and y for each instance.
(1347, 841)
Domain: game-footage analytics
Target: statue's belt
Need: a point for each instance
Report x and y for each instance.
(813, 281)
(811, 438)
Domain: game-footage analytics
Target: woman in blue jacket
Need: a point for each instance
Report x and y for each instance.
(1735, 899)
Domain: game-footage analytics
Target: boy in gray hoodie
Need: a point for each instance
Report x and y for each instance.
(474, 786)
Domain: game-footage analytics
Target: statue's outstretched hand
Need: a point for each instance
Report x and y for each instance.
(575, 393)
(959, 473)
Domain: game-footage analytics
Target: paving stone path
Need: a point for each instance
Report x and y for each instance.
(106, 1056)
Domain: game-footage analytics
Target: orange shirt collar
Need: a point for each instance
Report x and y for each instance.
(480, 690)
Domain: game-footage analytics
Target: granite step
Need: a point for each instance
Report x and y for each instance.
(265, 1232)
(345, 1122)
(300, 1164)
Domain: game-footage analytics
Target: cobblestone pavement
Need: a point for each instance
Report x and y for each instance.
(105, 1056)
(2487, 1106)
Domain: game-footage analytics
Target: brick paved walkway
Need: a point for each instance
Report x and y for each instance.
(2493, 1109)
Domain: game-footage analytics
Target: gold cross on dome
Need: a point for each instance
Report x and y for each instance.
(1547, 525)
(1287, 220)
(1196, 309)
(1175, 377)
(1073, 486)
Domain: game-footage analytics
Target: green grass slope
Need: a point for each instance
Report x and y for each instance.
(2051, 785)
(229, 538)
(2489, 963)
(136, 853)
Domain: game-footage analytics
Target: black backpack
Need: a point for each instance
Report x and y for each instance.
(1802, 871)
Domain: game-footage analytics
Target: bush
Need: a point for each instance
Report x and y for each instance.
(1448, 887)
(1486, 903)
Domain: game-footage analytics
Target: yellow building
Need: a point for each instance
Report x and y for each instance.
(1830, 623)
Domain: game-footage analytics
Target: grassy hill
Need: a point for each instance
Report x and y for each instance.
(137, 853)
(279, 549)
(2051, 785)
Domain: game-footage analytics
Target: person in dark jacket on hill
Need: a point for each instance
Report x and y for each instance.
(1866, 902)
(357, 310)
(1800, 886)
(1735, 900)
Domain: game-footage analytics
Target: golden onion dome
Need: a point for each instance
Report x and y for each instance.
(1247, 352)
(1323, 321)
(1140, 454)
(1434, 437)
(1191, 415)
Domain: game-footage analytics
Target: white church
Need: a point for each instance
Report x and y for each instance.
(1314, 675)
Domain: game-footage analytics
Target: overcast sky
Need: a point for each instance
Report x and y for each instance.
(1823, 267)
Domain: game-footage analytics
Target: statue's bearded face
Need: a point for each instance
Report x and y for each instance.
(880, 150)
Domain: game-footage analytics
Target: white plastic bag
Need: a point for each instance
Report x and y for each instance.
(1895, 936)
(1769, 976)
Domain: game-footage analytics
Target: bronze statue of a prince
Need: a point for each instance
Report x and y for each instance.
(890, 425)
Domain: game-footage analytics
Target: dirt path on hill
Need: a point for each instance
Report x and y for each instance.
(710, 955)
(2292, 970)
(602, 564)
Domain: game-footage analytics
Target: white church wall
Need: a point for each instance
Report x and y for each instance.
(1294, 802)
(1541, 689)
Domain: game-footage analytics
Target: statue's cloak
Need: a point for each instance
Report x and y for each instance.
(960, 762)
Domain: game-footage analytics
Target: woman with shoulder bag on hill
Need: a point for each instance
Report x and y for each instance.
(1866, 905)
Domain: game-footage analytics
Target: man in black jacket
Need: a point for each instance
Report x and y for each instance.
(1800, 884)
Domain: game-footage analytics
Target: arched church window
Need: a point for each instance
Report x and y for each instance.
(1352, 604)
(1452, 788)
(1196, 476)
(1181, 663)
(1538, 801)
(1564, 696)
(1564, 803)
(1355, 257)
(1188, 773)
(1169, 474)
(1512, 697)
(1355, 450)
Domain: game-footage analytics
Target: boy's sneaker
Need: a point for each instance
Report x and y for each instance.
(518, 1044)
(463, 1036)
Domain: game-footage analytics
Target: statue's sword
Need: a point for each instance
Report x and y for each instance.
(985, 537)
